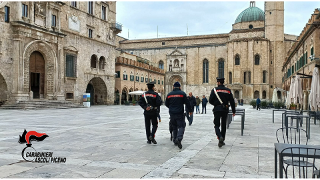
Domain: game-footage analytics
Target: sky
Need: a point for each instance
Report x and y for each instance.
(159, 19)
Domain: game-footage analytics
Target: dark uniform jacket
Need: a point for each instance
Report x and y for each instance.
(175, 100)
(192, 101)
(225, 96)
(153, 99)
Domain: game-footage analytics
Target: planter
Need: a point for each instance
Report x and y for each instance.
(293, 108)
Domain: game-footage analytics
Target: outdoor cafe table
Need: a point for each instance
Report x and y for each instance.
(240, 112)
(298, 117)
(279, 147)
(274, 111)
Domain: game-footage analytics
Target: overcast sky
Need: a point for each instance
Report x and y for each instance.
(182, 18)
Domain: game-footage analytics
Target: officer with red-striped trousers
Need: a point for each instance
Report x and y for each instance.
(150, 101)
(174, 101)
(220, 98)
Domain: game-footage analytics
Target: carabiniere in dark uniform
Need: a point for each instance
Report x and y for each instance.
(221, 110)
(150, 101)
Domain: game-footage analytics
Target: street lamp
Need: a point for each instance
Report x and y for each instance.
(313, 58)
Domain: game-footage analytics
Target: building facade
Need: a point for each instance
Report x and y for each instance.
(133, 73)
(249, 57)
(303, 56)
(58, 50)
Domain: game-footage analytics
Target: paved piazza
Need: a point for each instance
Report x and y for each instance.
(110, 142)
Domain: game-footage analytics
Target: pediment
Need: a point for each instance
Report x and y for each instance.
(176, 52)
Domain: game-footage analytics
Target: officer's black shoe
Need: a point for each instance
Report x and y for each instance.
(221, 143)
(175, 143)
(178, 143)
(152, 140)
(149, 142)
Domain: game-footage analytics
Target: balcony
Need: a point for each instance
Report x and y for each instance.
(116, 27)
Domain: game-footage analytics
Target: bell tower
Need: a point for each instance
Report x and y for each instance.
(274, 20)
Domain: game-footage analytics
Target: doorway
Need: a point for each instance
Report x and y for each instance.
(91, 91)
(37, 75)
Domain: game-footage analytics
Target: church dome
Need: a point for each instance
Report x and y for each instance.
(252, 13)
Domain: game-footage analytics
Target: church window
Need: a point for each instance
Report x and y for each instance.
(256, 59)
(7, 14)
(161, 64)
(237, 60)
(250, 26)
(93, 61)
(230, 77)
(264, 94)
(256, 94)
(221, 68)
(205, 71)
(71, 65)
(264, 77)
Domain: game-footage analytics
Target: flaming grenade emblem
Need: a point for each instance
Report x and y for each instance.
(27, 137)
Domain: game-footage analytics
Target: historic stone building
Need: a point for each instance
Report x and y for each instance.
(133, 73)
(303, 56)
(58, 50)
(250, 56)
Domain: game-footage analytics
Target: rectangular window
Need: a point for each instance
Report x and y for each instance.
(90, 7)
(70, 65)
(306, 58)
(131, 77)
(69, 95)
(312, 51)
(162, 82)
(24, 10)
(158, 81)
(54, 18)
(90, 33)
(7, 14)
(118, 74)
(74, 4)
(137, 78)
(125, 77)
(244, 77)
(150, 79)
(142, 79)
(103, 13)
(146, 80)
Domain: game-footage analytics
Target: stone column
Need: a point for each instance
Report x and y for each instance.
(305, 99)
(120, 94)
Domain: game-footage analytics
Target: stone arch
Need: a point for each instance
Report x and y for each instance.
(102, 62)
(173, 79)
(93, 61)
(50, 59)
(256, 94)
(3, 90)
(98, 91)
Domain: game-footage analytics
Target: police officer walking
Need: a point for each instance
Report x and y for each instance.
(219, 98)
(174, 101)
(150, 101)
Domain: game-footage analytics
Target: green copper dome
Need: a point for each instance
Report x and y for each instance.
(250, 14)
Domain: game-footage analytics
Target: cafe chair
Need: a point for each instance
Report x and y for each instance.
(302, 160)
(316, 174)
(293, 136)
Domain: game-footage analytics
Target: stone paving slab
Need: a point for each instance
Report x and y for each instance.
(110, 142)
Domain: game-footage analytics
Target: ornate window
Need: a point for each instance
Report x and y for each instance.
(264, 77)
(221, 68)
(161, 66)
(257, 60)
(94, 61)
(237, 60)
(205, 71)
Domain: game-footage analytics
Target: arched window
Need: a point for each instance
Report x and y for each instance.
(102, 62)
(221, 68)
(94, 61)
(264, 94)
(256, 59)
(205, 71)
(237, 60)
(230, 77)
(161, 66)
(256, 94)
(264, 77)
(236, 94)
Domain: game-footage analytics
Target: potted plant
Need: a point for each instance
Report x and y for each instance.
(281, 105)
(253, 103)
(126, 103)
(293, 106)
(134, 102)
(276, 105)
(263, 104)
